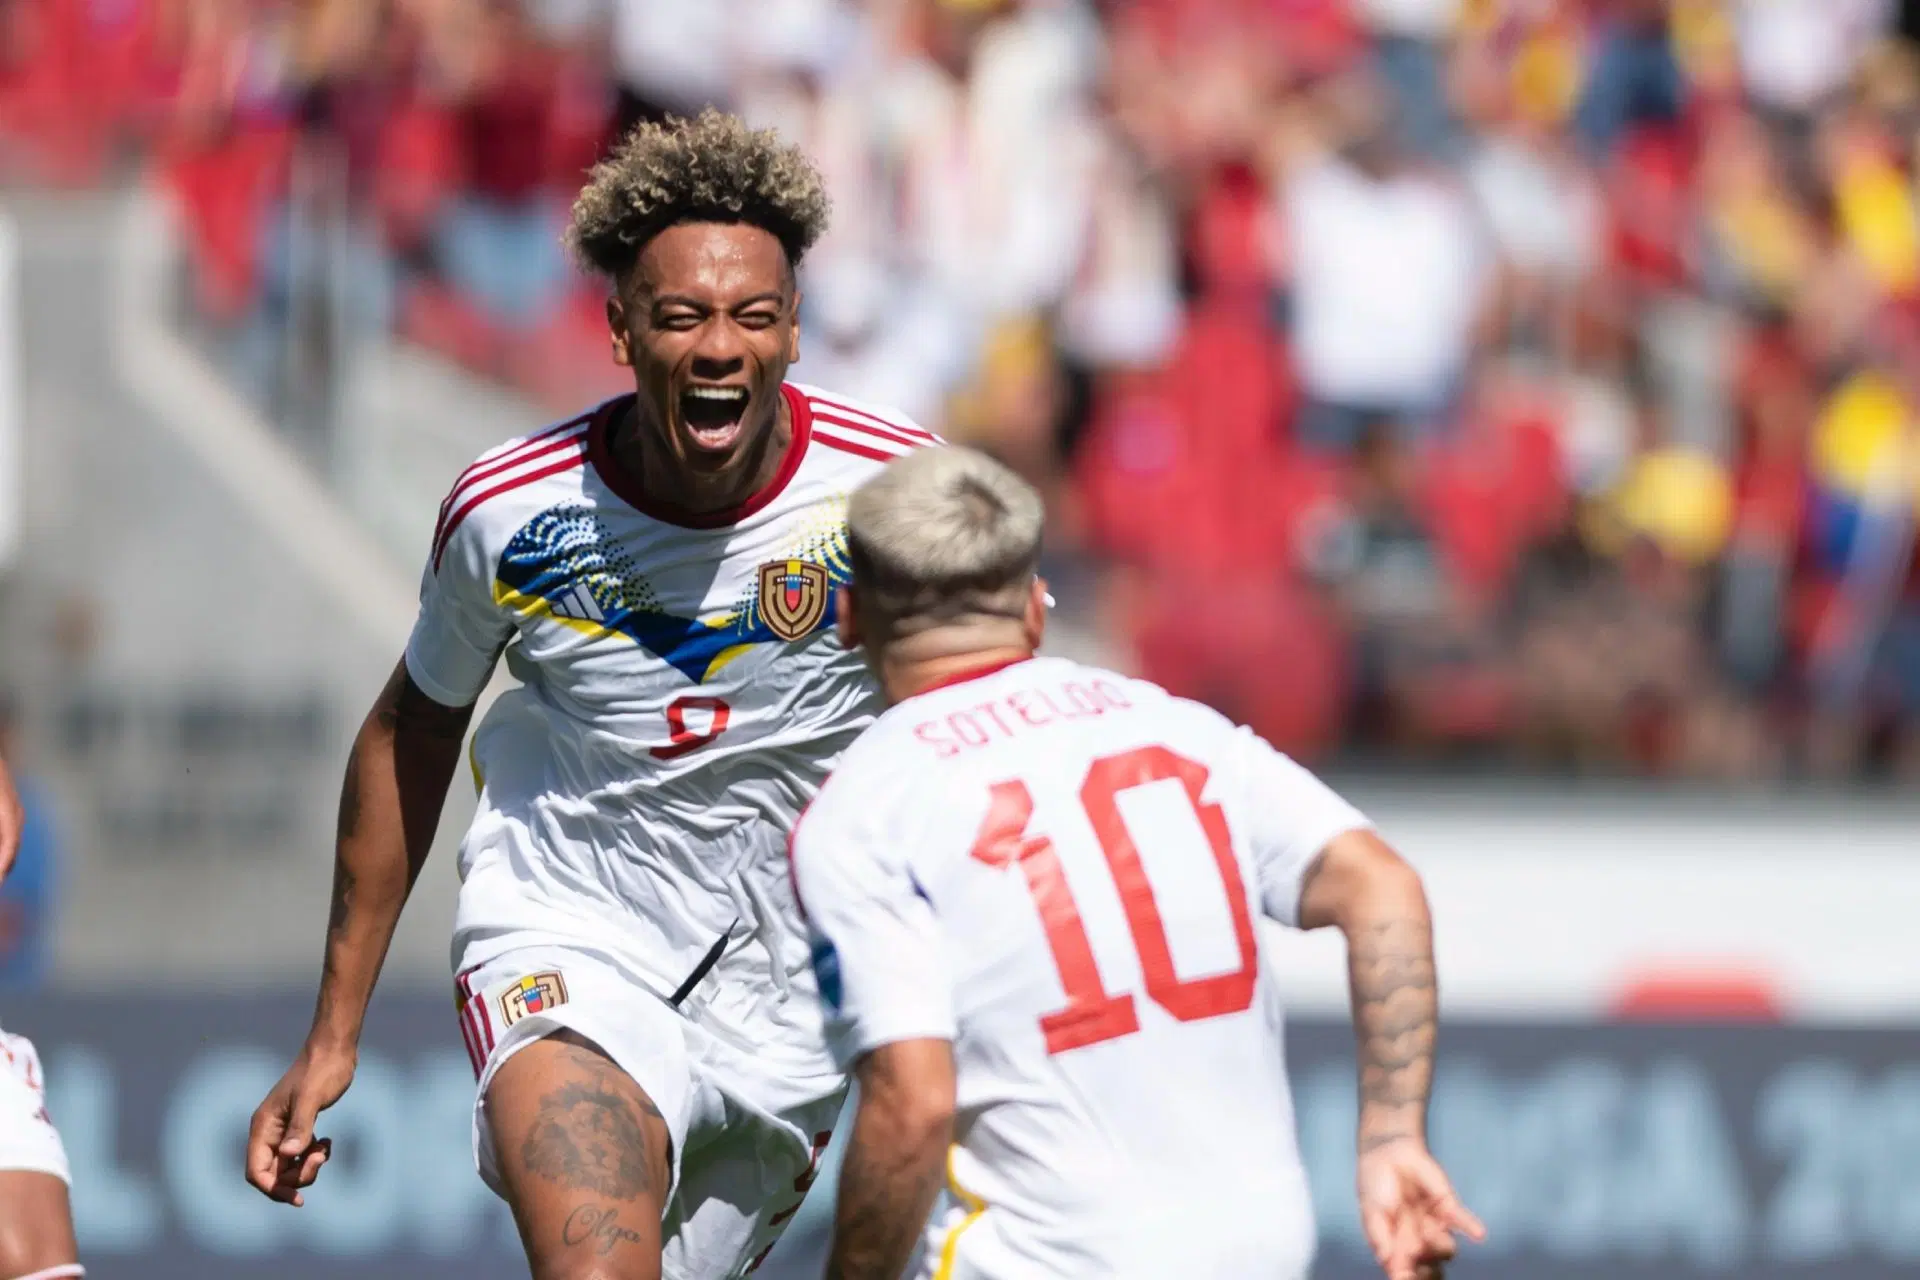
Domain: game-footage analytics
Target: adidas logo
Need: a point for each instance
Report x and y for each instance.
(578, 603)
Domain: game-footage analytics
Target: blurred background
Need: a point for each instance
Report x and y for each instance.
(1510, 407)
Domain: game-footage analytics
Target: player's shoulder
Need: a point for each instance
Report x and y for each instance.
(870, 772)
(853, 821)
(873, 784)
(858, 435)
(502, 485)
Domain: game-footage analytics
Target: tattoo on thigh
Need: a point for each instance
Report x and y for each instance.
(590, 1137)
(598, 1226)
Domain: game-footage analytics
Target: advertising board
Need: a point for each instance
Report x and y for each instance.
(1657, 1152)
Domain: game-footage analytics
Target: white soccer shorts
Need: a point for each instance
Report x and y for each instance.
(746, 1143)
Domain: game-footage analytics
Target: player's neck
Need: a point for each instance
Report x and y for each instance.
(665, 480)
(914, 665)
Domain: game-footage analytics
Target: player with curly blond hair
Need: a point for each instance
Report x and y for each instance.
(632, 982)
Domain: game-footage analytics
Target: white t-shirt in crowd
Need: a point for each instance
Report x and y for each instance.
(1793, 53)
(1388, 275)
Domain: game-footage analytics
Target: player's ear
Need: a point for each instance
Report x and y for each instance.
(844, 623)
(1036, 619)
(793, 334)
(617, 326)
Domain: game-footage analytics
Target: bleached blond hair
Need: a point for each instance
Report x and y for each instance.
(943, 535)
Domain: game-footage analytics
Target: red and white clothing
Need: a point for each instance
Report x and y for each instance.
(682, 698)
(1058, 869)
(28, 1140)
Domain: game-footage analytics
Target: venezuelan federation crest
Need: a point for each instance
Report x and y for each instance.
(793, 597)
(536, 993)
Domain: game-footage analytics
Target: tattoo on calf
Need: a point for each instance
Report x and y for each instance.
(589, 1136)
(598, 1226)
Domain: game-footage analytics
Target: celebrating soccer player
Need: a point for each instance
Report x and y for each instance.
(633, 979)
(1032, 886)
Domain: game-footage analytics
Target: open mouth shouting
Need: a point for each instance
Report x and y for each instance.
(714, 416)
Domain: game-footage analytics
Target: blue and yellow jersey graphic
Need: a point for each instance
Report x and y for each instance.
(563, 565)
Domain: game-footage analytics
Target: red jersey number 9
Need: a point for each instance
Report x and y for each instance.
(709, 713)
(1093, 1014)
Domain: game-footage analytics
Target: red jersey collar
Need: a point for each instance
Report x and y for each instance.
(970, 674)
(627, 487)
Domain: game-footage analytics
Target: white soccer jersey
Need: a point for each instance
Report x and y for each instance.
(683, 693)
(1057, 869)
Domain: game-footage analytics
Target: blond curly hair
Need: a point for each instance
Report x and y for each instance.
(712, 168)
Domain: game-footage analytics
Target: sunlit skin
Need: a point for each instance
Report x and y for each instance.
(709, 305)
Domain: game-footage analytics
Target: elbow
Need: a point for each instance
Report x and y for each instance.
(1395, 879)
(909, 1087)
(1391, 888)
(924, 1117)
(1359, 880)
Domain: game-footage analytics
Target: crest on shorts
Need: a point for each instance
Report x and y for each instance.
(793, 597)
(535, 993)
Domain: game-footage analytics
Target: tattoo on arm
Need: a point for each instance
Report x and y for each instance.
(344, 879)
(390, 801)
(343, 884)
(346, 829)
(1396, 1018)
(348, 825)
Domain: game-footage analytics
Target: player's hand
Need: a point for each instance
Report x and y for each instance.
(283, 1156)
(1409, 1211)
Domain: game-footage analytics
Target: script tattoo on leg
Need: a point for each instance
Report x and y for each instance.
(599, 1226)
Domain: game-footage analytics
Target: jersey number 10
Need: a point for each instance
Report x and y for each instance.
(1092, 1013)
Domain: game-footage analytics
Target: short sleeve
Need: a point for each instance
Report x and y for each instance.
(460, 630)
(878, 949)
(1287, 816)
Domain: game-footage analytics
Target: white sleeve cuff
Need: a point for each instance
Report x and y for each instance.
(849, 1043)
(443, 694)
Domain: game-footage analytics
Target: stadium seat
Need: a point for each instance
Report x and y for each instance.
(75, 79)
(1263, 651)
(438, 319)
(418, 166)
(1492, 491)
(566, 363)
(578, 126)
(223, 192)
(1225, 378)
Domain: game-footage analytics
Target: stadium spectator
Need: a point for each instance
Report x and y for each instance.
(1387, 273)
(498, 238)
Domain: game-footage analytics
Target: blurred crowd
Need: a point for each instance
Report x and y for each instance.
(1527, 382)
